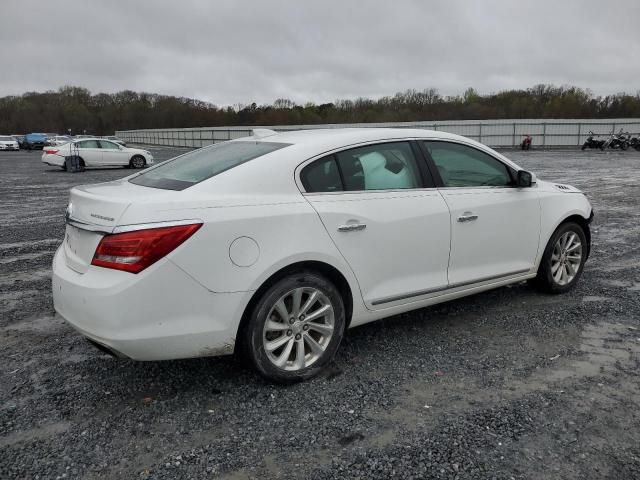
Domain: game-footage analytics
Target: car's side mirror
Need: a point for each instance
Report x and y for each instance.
(524, 179)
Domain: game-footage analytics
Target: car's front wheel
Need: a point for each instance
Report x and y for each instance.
(137, 161)
(563, 259)
(295, 328)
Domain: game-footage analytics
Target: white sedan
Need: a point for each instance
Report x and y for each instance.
(97, 152)
(273, 245)
(7, 142)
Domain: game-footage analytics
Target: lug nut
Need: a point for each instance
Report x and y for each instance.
(301, 317)
(292, 320)
(305, 328)
(298, 336)
(289, 332)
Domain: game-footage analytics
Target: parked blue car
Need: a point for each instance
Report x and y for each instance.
(34, 140)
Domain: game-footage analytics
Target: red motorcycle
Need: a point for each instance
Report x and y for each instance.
(526, 142)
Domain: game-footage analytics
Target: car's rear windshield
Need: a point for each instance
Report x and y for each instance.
(7, 139)
(194, 167)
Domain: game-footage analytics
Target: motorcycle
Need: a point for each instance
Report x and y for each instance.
(619, 140)
(593, 143)
(526, 142)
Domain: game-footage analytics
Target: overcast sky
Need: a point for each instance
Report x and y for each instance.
(231, 52)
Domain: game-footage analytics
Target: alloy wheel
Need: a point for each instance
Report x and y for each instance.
(298, 328)
(566, 258)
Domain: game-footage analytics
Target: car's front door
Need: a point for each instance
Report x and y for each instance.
(112, 154)
(378, 205)
(495, 226)
(90, 152)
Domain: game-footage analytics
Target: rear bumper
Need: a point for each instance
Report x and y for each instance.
(158, 314)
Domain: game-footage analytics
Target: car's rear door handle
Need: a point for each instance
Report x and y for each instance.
(352, 227)
(467, 217)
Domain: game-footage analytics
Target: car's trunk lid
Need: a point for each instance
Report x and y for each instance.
(94, 211)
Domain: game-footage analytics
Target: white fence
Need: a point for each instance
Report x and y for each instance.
(496, 133)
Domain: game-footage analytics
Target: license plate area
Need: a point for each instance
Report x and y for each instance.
(79, 247)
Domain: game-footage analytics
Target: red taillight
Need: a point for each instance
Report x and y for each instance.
(135, 251)
(51, 151)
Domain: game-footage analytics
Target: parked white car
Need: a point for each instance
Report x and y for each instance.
(59, 140)
(273, 245)
(97, 152)
(7, 142)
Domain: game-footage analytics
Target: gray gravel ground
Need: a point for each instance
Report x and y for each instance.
(506, 384)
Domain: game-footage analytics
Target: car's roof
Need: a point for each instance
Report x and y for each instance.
(323, 139)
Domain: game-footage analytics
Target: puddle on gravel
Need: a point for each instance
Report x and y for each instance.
(605, 345)
(595, 298)
(26, 256)
(13, 277)
(46, 324)
(30, 243)
(604, 348)
(38, 433)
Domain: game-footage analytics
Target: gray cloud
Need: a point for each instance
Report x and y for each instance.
(231, 52)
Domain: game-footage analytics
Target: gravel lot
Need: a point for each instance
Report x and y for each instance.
(506, 384)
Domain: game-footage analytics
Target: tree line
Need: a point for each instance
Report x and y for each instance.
(77, 109)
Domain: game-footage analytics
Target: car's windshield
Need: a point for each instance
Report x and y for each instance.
(196, 166)
(6, 139)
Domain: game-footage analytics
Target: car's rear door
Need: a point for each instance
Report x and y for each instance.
(90, 152)
(378, 204)
(495, 226)
(112, 154)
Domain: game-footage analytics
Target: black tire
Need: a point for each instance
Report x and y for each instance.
(544, 280)
(251, 336)
(584, 146)
(137, 161)
(624, 145)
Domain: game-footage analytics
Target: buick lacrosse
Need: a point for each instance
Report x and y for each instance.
(272, 245)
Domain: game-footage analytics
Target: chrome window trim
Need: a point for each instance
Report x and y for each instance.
(361, 192)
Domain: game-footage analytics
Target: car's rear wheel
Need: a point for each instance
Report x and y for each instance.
(295, 328)
(137, 161)
(563, 259)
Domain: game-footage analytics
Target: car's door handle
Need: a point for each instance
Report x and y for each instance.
(467, 217)
(352, 227)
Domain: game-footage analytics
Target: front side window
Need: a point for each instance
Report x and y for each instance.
(463, 166)
(385, 166)
(108, 145)
(198, 165)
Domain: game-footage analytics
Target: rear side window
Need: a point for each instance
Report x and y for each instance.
(385, 166)
(322, 176)
(198, 165)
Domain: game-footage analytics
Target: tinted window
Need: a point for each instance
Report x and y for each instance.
(322, 176)
(108, 145)
(463, 166)
(198, 165)
(89, 144)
